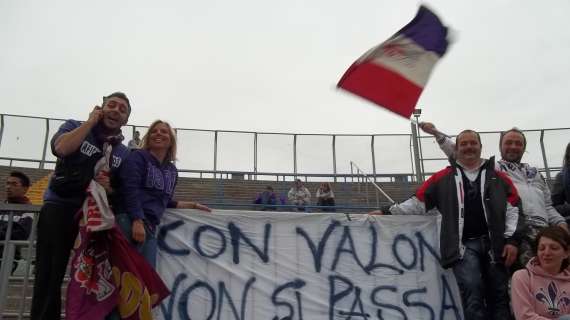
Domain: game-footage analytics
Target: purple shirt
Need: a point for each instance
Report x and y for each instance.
(90, 147)
(147, 186)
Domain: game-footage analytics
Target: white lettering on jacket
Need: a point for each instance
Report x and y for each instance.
(116, 162)
(88, 149)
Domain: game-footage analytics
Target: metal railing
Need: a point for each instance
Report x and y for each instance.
(368, 181)
(287, 176)
(9, 249)
(222, 153)
(293, 208)
(226, 150)
(536, 152)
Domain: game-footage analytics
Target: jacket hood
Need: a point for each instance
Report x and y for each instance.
(534, 267)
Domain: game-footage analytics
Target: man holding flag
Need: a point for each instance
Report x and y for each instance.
(537, 208)
(480, 226)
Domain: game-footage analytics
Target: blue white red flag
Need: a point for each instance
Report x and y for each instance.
(394, 74)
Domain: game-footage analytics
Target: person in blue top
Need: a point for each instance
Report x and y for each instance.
(148, 179)
(77, 146)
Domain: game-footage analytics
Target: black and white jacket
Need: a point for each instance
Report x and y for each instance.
(443, 193)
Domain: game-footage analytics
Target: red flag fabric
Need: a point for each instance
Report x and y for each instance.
(106, 271)
(141, 288)
(394, 74)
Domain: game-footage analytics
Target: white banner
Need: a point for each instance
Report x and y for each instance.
(259, 265)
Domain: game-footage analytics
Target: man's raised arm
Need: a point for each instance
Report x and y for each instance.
(445, 143)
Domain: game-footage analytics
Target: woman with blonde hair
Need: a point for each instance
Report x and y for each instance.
(148, 179)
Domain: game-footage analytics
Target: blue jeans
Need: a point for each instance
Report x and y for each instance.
(148, 249)
(483, 282)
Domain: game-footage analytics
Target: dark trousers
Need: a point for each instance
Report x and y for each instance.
(483, 283)
(328, 202)
(57, 230)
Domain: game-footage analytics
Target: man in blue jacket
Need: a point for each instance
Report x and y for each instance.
(78, 146)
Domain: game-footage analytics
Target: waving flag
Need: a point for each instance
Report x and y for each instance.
(394, 73)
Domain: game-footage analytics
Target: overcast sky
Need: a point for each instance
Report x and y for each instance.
(273, 65)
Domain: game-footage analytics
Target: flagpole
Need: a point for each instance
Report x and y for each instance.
(414, 123)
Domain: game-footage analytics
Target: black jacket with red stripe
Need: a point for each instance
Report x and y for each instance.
(443, 193)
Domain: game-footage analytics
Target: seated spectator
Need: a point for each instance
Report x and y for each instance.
(542, 290)
(267, 198)
(136, 141)
(561, 187)
(17, 185)
(283, 199)
(325, 197)
(299, 195)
